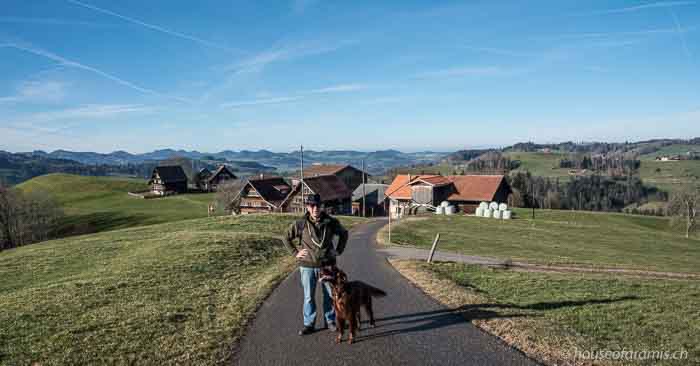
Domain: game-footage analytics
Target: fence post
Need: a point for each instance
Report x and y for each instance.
(432, 250)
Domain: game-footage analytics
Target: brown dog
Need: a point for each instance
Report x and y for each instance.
(348, 298)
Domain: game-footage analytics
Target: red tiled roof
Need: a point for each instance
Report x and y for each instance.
(467, 187)
(474, 187)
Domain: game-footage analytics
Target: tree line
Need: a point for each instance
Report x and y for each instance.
(614, 164)
(590, 193)
(26, 218)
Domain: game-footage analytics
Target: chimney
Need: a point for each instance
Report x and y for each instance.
(409, 177)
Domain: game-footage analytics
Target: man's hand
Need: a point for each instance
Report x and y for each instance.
(303, 254)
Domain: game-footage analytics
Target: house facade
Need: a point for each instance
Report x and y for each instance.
(263, 195)
(335, 196)
(167, 180)
(374, 197)
(408, 194)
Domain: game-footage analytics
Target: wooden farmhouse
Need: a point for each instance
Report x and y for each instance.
(209, 182)
(335, 195)
(351, 176)
(263, 195)
(408, 193)
(374, 197)
(167, 180)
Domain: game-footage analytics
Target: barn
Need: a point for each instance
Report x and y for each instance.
(408, 193)
(263, 195)
(167, 180)
(335, 195)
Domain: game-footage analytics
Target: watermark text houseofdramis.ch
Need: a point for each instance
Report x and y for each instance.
(630, 355)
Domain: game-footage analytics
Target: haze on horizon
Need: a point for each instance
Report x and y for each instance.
(95, 75)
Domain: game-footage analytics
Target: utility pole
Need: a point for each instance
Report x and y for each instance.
(364, 193)
(301, 179)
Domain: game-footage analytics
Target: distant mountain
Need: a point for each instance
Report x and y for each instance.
(376, 161)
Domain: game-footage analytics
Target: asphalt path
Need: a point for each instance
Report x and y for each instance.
(412, 328)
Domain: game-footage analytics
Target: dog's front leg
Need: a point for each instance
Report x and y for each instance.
(340, 325)
(353, 327)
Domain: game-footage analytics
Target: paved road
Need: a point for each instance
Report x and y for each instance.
(412, 329)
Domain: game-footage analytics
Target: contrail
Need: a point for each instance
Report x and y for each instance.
(682, 37)
(78, 65)
(157, 28)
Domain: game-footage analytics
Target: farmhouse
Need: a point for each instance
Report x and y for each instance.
(168, 180)
(351, 176)
(209, 181)
(263, 194)
(407, 194)
(375, 198)
(335, 195)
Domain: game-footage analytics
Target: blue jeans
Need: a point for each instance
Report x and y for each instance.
(309, 277)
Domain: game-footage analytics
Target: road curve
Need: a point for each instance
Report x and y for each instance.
(412, 328)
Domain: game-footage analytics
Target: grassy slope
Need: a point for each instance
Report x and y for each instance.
(670, 174)
(541, 164)
(562, 237)
(549, 316)
(175, 293)
(94, 204)
(675, 149)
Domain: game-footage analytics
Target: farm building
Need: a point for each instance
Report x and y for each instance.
(375, 199)
(208, 181)
(351, 176)
(335, 195)
(263, 194)
(168, 180)
(409, 193)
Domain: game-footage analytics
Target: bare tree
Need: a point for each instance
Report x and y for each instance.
(683, 206)
(227, 198)
(26, 218)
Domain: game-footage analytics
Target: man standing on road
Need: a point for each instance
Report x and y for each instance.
(315, 232)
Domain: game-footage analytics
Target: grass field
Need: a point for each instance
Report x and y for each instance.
(95, 204)
(541, 164)
(675, 149)
(561, 237)
(175, 293)
(551, 316)
(669, 175)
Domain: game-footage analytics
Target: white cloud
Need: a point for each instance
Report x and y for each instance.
(467, 71)
(255, 102)
(70, 63)
(156, 27)
(634, 8)
(340, 88)
(57, 120)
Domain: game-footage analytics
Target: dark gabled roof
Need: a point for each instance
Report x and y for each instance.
(370, 189)
(329, 187)
(316, 170)
(170, 173)
(218, 171)
(270, 189)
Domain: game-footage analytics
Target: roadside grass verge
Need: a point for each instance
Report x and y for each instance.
(175, 293)
(557, 237)
(551, 316)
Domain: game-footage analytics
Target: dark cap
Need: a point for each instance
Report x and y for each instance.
(313, 199)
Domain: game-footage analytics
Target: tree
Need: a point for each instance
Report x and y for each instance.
(227, 196)
(683, 206)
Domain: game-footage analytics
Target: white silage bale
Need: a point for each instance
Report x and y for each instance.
(484, 205)
(497, 214)
(506, 215)
(502, 207)
(488, 212)
(479, 211)
(444, 204)
(493, 206)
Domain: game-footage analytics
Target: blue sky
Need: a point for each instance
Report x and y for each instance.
(96, 75)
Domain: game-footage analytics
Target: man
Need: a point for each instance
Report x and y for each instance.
(315, 232)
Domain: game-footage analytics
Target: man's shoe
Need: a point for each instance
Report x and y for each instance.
(332, 327)
(306, 331)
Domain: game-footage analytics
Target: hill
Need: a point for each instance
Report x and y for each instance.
(562, 237)
(376, 161)
(94, 204)
(175, 293)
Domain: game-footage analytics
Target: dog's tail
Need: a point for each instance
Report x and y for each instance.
(375, 292)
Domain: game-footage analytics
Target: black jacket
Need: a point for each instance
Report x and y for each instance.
(317, 238)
